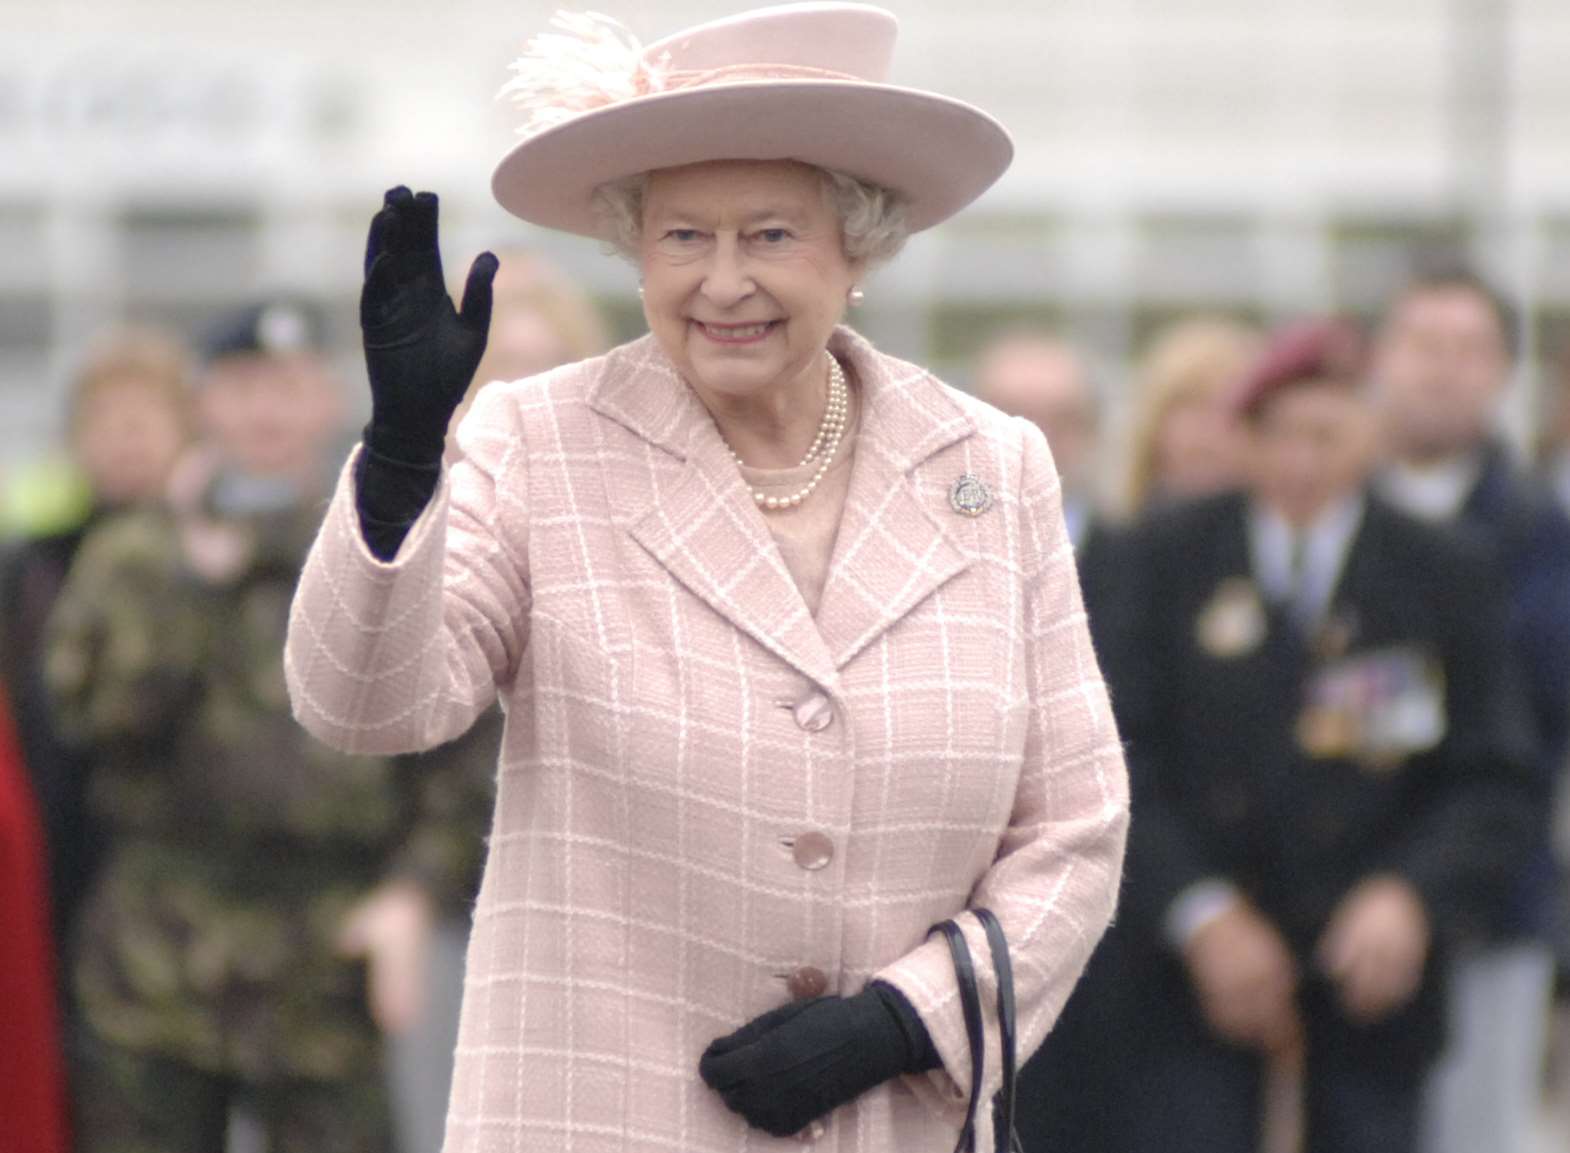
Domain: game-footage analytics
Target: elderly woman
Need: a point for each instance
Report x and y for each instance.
(787, 633)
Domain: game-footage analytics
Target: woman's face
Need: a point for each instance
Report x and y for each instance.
(1199, 449)
(126, 438)
(744, 273)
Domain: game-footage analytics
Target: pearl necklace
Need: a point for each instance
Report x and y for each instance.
(824, 446)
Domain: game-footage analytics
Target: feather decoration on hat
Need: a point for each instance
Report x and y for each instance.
(589, 62)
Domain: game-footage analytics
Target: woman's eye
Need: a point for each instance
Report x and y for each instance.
(682, 235)
(774, 235)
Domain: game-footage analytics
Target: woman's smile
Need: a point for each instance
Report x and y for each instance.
(736, 334)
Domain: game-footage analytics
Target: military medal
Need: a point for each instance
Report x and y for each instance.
(1335, 636)
(1233, 624)
(1324, 732)
(1377, 708)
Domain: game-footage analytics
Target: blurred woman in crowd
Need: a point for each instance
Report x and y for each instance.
(1185, 439)
(128, 419)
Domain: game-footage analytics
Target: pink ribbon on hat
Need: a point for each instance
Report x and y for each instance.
(698, 78)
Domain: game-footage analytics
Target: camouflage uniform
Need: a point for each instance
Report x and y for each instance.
(206, 966)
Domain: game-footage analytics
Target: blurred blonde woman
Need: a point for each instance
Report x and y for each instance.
(540, 319)
(1186, 441)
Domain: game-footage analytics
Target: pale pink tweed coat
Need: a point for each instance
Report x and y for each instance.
(677, 724)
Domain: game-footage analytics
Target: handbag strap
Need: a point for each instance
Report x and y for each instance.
(998, 944)
(970, 1004)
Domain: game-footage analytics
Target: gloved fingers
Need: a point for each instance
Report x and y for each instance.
(475, 311)
(760, 1025)
(388, 228)
(420, 216)
(794, 1052)
(383, 224)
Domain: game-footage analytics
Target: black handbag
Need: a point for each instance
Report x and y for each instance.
(970, 1004)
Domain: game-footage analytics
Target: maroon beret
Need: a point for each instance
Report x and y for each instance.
(1330, 351)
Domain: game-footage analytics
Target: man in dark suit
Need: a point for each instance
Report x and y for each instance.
(1328, 764)
(1442, 367)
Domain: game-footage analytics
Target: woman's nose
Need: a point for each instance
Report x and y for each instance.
(727, 282)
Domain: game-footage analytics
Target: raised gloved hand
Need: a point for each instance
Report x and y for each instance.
(420, 352)
(794, 1064)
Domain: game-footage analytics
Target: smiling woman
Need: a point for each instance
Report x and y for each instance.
(745, 275)
(788, 631)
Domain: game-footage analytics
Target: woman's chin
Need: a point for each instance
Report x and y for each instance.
(731, 379)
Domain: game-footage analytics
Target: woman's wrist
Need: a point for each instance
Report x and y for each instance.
(921, 1055)
(389, 496)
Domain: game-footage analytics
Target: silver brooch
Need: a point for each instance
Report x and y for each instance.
(969, 496)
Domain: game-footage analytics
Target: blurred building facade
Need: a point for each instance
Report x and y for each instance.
(162, 159)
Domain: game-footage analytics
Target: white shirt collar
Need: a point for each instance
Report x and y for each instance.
(1432, 492)
(1325, 546)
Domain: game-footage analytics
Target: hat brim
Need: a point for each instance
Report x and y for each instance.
(939, 154)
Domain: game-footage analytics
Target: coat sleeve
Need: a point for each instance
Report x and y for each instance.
(1054, 880)
(401, 656)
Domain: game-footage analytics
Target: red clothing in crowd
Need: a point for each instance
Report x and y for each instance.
(32, 1083)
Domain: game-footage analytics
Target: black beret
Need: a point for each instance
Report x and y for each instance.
(267, 328)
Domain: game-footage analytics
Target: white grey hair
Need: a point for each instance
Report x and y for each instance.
(873, 225)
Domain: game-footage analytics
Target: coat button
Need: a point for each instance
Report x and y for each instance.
(806, 983)
(815, 713)
(812, 851)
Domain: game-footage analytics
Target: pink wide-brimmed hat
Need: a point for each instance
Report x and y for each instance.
(803, 82)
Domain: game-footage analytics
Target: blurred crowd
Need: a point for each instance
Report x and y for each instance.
(1308, 556)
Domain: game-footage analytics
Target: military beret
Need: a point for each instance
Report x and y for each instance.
(266, 328)
(1325, 351)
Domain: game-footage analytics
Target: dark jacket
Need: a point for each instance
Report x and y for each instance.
(1531, 538)
(1236, 776)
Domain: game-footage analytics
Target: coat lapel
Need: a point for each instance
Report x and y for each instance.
(891, 553)
(699, 520)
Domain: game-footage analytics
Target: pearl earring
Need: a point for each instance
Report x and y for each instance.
(857, 296)
(640, 290)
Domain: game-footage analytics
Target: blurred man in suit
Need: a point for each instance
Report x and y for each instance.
(1046, 381)
(1328, 764)
(1442, 366)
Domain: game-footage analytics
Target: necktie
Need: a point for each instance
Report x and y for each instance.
(1300, 593)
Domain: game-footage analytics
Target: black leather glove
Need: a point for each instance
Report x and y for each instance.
(420, 354)
(794, 1064)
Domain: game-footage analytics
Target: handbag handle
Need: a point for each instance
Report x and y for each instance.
(1008, 1139)
(970, 1004)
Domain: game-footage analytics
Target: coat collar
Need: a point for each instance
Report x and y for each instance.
(700, 523)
